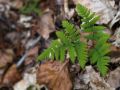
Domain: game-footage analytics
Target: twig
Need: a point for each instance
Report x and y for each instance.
(22, 59)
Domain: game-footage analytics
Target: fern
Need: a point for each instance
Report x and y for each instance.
(81, 50)
(98, 54)
(68, 42)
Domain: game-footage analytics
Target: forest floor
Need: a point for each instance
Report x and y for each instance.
(27, 28)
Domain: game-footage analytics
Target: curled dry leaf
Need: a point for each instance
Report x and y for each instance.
(6, 56)
(11, 76)
(55, 75)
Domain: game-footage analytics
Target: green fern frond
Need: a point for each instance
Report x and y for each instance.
(89, 20)
(94, 29)
(69, 28)
(81, 51)
(62, 53)
(49, 53)
(68, 42)
(44, 55)
(102, 65)
(100, 50)
(98, 54)
(72, 53)
(62, 38)
(71, 33)
(65, 44)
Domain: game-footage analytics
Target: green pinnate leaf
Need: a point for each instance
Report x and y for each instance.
(72, 53)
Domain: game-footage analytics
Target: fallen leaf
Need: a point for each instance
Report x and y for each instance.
(6, 57)
(96, 82)
(114, 78)
(90, 80)
(11, 76)
(55, 75)
(46, 25)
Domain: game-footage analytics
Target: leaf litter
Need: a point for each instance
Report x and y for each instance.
(24, 37)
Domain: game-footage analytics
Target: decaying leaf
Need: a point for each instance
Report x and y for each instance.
(11, 76)
(6, 56)
(55, 75)
(46, 25)
(114, 78)
(96, 82)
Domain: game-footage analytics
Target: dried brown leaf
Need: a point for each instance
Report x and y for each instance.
(6, 56)
(11, 76)
(55, 75)
(114, 78)
(46, 25)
